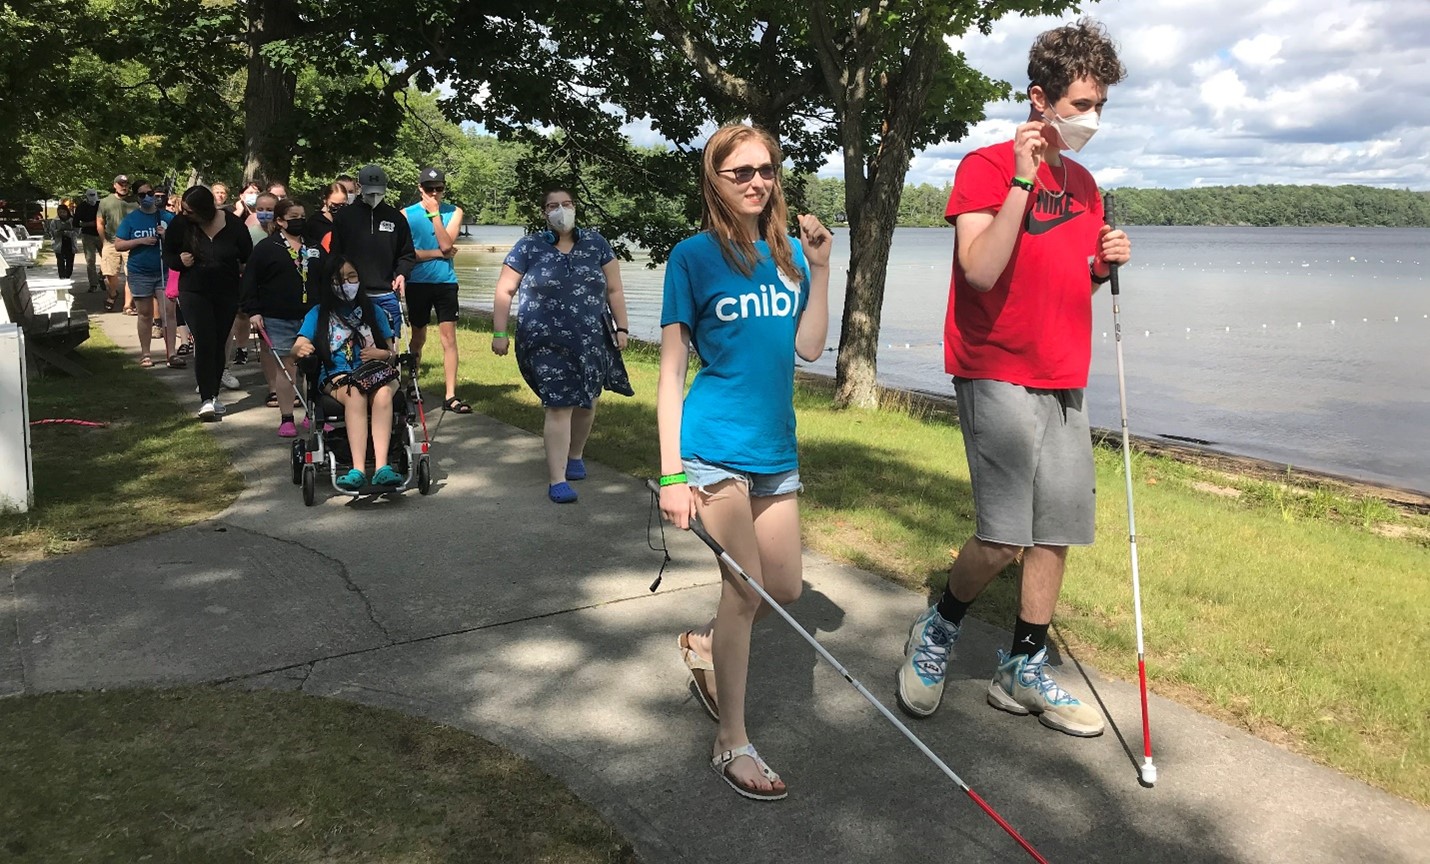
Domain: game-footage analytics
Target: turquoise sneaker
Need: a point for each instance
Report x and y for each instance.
(1022, 686)
(925, 663)
(352, 481)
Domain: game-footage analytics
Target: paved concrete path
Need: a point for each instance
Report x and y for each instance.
(487, 607)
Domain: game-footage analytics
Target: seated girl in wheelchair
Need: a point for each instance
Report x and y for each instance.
(356, 367)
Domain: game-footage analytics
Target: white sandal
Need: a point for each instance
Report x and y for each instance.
(699, 668)
(721, 764)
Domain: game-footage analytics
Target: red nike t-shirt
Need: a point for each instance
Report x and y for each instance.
(1034, 328)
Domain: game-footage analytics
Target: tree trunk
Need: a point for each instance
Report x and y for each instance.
(872, 204)
(268, 96)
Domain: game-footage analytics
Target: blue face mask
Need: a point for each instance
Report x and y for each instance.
(264, 216)
(148, 202)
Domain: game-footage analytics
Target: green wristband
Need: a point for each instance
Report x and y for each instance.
(1023, 183)
(499, 334)
(672, 479)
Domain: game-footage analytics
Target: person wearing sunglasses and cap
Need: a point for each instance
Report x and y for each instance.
(435, 225)
(375, 237)
(112, 262)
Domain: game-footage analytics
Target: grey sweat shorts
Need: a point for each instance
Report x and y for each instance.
(1030, 461)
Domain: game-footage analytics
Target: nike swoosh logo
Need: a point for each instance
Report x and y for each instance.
(1042, 218)
(1037, 226)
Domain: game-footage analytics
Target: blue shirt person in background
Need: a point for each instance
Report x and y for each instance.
(749, 300)
(140, 234)
(570, 331)
(345, 330)
(433, 283)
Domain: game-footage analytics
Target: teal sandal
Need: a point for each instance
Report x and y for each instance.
(386, 476)
(352, 481)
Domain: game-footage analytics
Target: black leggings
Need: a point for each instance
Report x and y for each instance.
(210, 318)
(64, 257)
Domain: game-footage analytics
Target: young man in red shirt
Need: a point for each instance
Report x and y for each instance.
(1032, 247)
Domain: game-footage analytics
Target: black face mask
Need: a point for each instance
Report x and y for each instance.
(297, 225)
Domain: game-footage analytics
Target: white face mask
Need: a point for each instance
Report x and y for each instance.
(1076, 130)
(352, 197)
(250, 199)
(372, 199)
(348, 290)
(562, 219)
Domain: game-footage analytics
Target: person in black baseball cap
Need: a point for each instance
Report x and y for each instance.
(435, 224)
(375, 237)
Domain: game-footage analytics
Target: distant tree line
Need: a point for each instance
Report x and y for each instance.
(1274, 206)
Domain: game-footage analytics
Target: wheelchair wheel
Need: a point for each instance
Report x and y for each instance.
(299, 448)
(424, 476)
(310, 485)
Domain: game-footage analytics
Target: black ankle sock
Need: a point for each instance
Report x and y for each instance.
(951, 609)
(286, 418)
(1028, 638)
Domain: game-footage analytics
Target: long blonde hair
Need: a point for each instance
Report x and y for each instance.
(729, 230)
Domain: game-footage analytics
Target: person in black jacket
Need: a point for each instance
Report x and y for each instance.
(275, 299)
(208, 247)
(374, 236)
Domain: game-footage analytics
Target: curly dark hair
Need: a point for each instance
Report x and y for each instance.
(1065, 54)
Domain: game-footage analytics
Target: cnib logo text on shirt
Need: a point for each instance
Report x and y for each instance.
(770, 302)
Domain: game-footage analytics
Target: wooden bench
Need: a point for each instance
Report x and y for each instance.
(50, 338)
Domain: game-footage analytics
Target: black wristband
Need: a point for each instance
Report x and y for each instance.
(623, 330)
(1096, 279)
(1020, 183)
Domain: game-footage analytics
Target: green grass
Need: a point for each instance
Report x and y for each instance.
(217, 776)
(1274, 606)
(153, 469)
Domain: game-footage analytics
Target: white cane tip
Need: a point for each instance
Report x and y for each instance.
(1149, 774)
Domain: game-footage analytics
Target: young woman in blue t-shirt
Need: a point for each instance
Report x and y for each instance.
(747, 300)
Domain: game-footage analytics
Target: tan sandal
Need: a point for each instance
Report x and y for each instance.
(702, 674)
(721, 765)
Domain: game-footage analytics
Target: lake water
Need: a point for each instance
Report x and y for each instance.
(1306, 346)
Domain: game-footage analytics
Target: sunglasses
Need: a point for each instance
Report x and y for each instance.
(435, 188)
(746, 173)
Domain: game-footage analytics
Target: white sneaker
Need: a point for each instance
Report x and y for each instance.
(218, 407)
(207, 412)
(228, 380)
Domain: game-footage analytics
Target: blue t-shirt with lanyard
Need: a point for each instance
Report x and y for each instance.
(144, 260)
(439, 271)
(739, 412)
(346, 347)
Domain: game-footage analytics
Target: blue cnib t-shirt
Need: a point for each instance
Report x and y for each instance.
(739, 412)
(339, 334)
(424, 236)
(143, 260)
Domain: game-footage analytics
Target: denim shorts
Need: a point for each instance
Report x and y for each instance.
(282, 332)
(387, 302)
(700, 474)
(145, 285)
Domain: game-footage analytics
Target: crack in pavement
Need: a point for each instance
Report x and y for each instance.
(342, 573)
(432, 637)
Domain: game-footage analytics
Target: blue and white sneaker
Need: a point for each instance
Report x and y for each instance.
(1022, 686)
(925, 663)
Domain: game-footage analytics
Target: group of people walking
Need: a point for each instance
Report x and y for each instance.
(1031, 247)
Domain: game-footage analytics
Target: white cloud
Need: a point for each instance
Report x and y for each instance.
(1259, 51)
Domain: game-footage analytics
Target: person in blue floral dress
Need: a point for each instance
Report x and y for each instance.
(567, 346)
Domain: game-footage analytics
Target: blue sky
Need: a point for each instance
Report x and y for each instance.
(1234, 91)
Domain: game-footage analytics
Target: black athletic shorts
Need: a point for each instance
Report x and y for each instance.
(423, 297)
